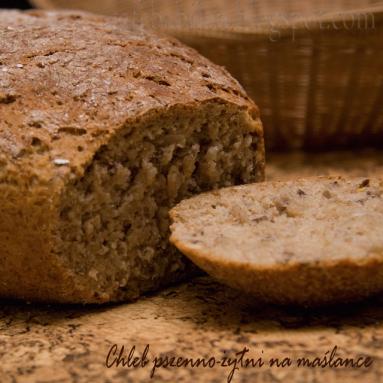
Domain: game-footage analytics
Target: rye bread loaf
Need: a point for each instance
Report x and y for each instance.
(310, 241)
(104, 127)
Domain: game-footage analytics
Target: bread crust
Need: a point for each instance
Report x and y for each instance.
(69, 82)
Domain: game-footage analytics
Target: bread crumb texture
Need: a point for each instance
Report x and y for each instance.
(308, 241)
(103, 128)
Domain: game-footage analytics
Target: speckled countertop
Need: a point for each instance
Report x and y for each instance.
(198, 319)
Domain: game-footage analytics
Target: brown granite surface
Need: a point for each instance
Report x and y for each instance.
(198, 319)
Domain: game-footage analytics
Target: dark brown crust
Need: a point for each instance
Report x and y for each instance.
(68, 82)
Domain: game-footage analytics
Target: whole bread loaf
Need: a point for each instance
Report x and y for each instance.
(309, 241)
(103, 128)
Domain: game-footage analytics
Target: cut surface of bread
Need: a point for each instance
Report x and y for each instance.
(309, 241)
(103, 128)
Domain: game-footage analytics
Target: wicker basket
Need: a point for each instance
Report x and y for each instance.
(315, 68)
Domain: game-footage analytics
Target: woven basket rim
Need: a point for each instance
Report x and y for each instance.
(261, 28)
(299, 24)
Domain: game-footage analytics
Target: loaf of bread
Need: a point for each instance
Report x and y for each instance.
(310, 241)
(103, 128)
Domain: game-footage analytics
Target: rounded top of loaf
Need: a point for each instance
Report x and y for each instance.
(69, 80)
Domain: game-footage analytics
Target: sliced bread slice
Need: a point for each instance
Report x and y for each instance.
(310, 241)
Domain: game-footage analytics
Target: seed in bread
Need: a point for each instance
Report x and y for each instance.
(104, 127)
(310, 241)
